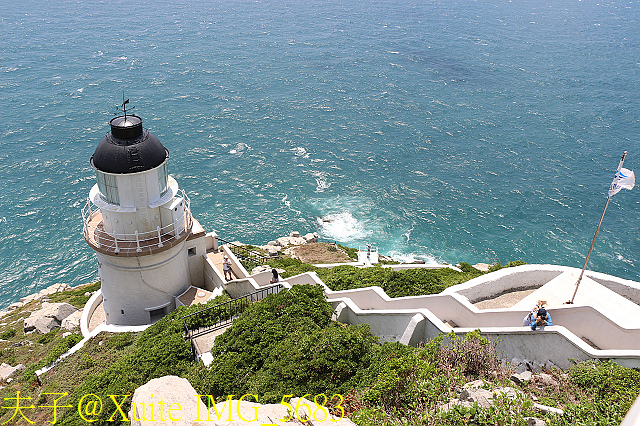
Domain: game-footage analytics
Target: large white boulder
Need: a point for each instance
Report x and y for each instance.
(48, 317)
(311, 237)
(168, 400)
(72, 321)
(7, 370)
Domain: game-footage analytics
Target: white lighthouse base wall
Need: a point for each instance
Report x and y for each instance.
(141, 290)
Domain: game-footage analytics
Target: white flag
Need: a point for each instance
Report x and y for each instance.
(622, 179)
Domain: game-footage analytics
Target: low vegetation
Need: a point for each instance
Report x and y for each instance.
(288, 344)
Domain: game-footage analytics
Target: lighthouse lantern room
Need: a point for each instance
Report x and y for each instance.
(138, 222)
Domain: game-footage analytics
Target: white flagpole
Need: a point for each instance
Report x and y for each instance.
(615, 181)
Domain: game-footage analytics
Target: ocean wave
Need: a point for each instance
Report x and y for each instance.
(342, 227)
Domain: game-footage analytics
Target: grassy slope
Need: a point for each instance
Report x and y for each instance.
(389, 384)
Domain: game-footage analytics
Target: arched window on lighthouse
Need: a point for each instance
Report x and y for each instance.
(108, 187)
(162, 178)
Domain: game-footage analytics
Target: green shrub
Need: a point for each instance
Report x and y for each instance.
(325, 360)
(158, 351)
(611, 383)
(497, 266)
(121, 340)
(466, 267)
(291, 266)
(351, 252)
(48, 337)
(411, 282)
(8, 334)
(260, 331)
(61, 347)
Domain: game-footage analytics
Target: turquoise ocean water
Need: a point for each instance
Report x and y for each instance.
(438, 130)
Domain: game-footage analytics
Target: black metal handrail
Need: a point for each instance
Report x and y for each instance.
(249, 256)
(223, 314)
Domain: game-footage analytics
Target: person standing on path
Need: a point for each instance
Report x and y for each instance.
(226, 268)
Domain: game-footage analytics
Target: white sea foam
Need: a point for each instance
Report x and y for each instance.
(300, 152)
(412, 257)
(239, 148)
(342, 227)
(321, 181)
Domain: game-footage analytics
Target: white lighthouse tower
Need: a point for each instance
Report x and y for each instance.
(138, 222)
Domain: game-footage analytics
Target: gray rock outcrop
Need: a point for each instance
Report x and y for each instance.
(72, 321)
(525, 376)
(473, 393)
(167, 400)
(48, 317)
(7, 371)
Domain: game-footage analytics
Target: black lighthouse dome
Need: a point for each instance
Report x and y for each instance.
(128, 148)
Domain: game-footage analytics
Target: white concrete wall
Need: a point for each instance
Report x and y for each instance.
(263, 278)
(239, 288)
(198, 247)
(506, 279)
(212, 276)
(626, 288)
(236, 266)
(583, 321)
(133, 285)
(89, 308)
(211, 239)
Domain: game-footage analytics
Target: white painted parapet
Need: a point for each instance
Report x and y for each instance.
(405, 266)
(421, 318)
(236, 266)
(89, 308)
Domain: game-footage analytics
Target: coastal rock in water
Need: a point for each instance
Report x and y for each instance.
(7, 371)
(49, 317)
(15, 305)
(297, 241)
(282, 241)
(294, 234)
(484, 267)
(174, 392)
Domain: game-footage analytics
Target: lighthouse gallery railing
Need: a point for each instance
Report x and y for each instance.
(137, 242)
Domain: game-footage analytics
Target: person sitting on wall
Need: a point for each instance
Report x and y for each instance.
(275, 277)
(541, 318)
(526, 322)
(226, 268)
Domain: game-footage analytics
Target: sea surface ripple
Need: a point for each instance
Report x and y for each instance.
(443, 130)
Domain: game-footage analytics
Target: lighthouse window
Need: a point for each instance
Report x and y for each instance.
(156, 314)
(162, 178)
(108, 187)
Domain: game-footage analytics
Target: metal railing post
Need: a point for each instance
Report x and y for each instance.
(159, 237)
(138, 242)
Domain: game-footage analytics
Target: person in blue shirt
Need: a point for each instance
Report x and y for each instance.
(541, 317)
